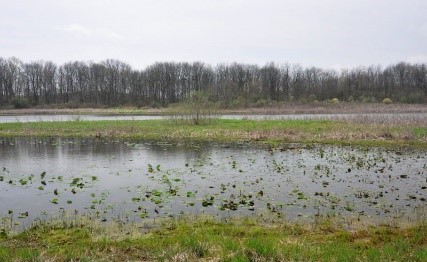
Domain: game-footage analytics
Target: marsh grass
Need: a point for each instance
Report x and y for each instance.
(223, 130)
(209, 239)
(382, 119)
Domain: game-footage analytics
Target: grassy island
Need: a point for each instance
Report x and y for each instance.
(227, 131)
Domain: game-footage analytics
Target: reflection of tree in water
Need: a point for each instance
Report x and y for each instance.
(7, 148)
(52, 148)
(188, 152)
(92, 147)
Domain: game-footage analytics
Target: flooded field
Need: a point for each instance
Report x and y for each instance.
(130, 181)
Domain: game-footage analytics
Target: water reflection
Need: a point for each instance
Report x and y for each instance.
(128, 180)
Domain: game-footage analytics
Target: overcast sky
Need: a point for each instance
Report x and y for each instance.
(325, 33)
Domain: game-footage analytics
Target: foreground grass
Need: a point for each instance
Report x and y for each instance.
(207, 239)
(264, 131)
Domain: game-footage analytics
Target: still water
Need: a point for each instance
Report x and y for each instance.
(130, 181)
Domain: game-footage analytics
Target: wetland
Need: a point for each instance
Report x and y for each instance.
(126, 181)
(351, 187)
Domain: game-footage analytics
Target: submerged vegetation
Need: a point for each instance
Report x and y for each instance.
(222, 130)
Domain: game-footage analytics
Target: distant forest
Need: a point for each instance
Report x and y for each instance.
(112, 83)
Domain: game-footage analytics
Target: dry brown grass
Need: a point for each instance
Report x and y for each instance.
(279, 108)
(327, 108)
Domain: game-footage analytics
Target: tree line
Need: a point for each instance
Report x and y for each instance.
(113, 83)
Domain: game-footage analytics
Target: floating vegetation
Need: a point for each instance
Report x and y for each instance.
(208, 201)
(143, 214)
(294, 181)
(23, 215)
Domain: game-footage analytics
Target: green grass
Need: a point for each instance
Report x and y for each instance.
(207, 239)
(262, 131)
(420, 131)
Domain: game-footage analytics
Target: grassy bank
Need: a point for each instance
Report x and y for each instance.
(228, 131)
(211, 240)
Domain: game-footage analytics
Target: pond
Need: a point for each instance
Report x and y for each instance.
(131, 181)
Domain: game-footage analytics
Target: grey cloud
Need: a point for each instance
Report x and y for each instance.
(326, 33)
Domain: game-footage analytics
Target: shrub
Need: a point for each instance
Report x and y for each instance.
(261, 102)
(72, 105)
(20, 102)
(303, 100)
(240, 101)
(365, 99)
(350, 99)
(155, 104)
(412, 98)
(387, 101)
(335, 100)
(196, 110)
(312, 97)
